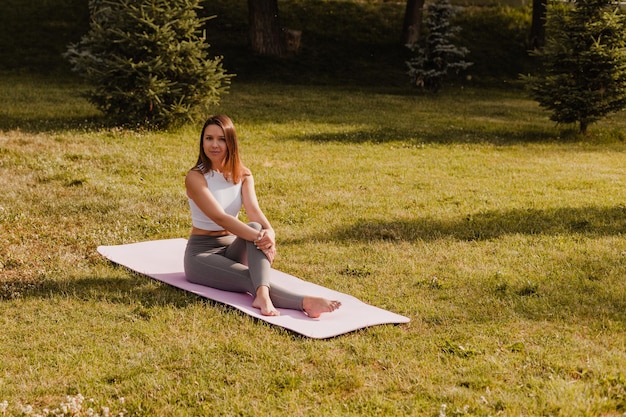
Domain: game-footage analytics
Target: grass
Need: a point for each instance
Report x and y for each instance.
(500, 235)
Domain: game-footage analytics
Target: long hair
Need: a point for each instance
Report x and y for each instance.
(233, 169)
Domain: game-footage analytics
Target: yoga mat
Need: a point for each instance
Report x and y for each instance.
(163, 261)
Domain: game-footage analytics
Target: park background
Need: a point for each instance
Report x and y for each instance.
(499, 233)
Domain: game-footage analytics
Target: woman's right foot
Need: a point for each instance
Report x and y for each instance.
(263, 302)
(315, 306)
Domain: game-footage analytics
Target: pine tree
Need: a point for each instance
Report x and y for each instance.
(148, 62)
(583, 75)
(435, 58)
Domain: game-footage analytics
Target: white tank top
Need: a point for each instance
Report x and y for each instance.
(227, 194)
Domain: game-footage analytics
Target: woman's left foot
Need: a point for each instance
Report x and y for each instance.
(315, 306)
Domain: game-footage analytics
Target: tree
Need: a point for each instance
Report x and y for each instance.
(266, 33)
(538, 27)
(148, 61)
(412, 24)
(437, 56)
(583, 74)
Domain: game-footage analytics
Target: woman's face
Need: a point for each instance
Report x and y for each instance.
(214, 145)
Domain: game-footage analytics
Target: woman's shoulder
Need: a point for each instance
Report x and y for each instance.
(246, 175)
(195, 172)
(194, 175)
(197, 168)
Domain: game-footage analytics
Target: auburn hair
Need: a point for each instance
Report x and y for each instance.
(233, 168)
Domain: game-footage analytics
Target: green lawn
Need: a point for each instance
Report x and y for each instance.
(500, 235)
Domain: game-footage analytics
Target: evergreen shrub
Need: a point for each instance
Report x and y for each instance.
(437, 56)
(583, 73)
(147, 62)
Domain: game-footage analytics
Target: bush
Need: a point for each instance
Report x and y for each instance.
(34, 34)
(148, 62)
(583, 74)
(497, 37)
(438, 55)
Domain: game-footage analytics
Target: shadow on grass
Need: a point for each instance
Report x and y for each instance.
(138, 291)
(133, 289)
(52, 124)
(580, 291)
(590, 221)
(447, 135)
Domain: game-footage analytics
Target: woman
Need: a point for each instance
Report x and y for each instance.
(223, 252)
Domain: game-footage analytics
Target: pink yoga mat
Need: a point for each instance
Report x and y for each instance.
(163, 261)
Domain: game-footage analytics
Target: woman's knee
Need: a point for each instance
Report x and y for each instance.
(256, 226)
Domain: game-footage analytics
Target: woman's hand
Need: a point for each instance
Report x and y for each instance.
(270, 253)
(266, 243)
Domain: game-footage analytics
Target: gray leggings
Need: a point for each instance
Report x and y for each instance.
(233, 264)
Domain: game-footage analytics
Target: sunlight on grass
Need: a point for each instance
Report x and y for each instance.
(502, 242)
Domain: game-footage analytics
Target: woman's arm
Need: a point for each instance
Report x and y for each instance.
(251, 204)
(198, 191)
(255, 214)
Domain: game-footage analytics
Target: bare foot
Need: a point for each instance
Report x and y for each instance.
(263, 302)
(266, 306)
(315, 306)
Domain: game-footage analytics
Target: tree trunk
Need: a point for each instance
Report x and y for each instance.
(584, 123)
(266, 37)
(412, 24)
(538, 28)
